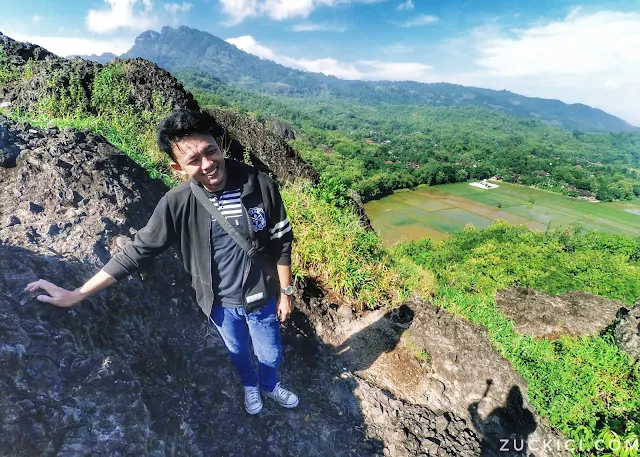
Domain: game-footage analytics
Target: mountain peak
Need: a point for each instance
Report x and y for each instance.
(149, 35)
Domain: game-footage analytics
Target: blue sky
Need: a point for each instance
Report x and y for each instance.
(575, 51)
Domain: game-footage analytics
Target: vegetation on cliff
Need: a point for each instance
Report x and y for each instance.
(106, 107)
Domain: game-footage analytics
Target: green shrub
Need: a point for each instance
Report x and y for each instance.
(119, 119)
(30, 68)
(7, 72)
(111, 93)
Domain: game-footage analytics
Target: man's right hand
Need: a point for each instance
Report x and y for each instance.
(57, 295)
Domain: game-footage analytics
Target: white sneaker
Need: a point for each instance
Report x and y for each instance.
(252, 400)
(286, 398)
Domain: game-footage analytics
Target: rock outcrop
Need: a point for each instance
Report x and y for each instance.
(267, 150)
(51, 76)
(280, 128)
(627, 332)
(552, 316)
(434, 361)
(137, 370)
(41, 74)
(147, 79)
(11, 143)
(45, 74)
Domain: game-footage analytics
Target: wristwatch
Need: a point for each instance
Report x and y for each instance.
(287, 291)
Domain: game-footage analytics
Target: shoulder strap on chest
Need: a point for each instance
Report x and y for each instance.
(246, 245)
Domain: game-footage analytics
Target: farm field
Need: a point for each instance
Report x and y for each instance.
(436, 211)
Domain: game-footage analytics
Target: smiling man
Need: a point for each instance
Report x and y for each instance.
(221, 269)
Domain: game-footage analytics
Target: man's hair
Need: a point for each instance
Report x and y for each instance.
(179, 124)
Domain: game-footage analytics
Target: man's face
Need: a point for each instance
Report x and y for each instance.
(200, 158)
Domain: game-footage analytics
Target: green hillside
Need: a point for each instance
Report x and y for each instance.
(183, 47)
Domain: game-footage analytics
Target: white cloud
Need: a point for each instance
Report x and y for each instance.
(121, 13)
(361, 69)
(36, 19)
(239, 10)
(398, 71)
(284, 9)
(600, 42)
(311, 27)
(248, 44)
(421, 19)
(405, 6)
(397, 48)
(588, 58)
(175, 8)
(66, 46)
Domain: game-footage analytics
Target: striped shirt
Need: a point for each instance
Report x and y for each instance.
(229, 204)
(228, 260)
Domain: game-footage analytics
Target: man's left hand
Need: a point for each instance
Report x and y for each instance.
(285, 307)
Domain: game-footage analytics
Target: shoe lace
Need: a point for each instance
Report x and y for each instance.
(252, 396)
(281, 394)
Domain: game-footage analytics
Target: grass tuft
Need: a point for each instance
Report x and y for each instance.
(334, 247)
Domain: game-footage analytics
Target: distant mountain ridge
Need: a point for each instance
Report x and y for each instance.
(184, 47)
(102, 58)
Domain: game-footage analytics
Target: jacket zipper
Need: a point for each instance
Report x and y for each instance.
(213, 298)
(245, 270)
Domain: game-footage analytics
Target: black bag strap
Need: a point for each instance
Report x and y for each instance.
(246, 245)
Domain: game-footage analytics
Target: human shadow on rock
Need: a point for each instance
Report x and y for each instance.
(506, 429)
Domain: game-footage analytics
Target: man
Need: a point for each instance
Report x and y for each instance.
(251, 203)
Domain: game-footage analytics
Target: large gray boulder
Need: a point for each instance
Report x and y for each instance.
(245, 137)
(10, 144)
(49, 75)
(552, 316)
(280, 128)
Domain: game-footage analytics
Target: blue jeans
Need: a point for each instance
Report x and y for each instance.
(235, 328)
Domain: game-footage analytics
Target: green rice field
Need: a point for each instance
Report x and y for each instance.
(436, 211)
